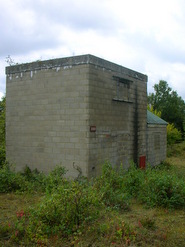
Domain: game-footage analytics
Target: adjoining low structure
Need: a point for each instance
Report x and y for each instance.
(78, 111)
(156, 139)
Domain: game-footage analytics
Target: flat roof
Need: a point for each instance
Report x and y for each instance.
(72, 61)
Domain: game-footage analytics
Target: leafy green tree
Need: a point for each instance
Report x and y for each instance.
(173, 134)
(2, 130)
(171, 106)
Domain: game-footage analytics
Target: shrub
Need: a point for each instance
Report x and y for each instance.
(64, 211)
(163, 189)
(28, 180)
(9, 180)
(156, 186)
(133, 180)
(55, 178)
(110, 188)
(35, 180)
(173, 134)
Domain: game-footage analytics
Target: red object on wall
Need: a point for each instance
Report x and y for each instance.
(142, 162)
(93, 128)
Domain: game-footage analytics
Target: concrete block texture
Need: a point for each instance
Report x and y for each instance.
(156, 144)
(80, 110)
(43, 125)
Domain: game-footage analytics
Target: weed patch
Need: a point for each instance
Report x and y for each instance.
(110, 190)
(93, 212)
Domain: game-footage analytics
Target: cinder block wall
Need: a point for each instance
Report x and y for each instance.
(119, 114)
(47, 116)
(112, 141)
(157, 143)
(52, 104)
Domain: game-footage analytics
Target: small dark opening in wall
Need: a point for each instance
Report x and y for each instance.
(122, 89)
(122, 80)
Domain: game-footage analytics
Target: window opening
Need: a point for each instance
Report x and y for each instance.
(122, 89)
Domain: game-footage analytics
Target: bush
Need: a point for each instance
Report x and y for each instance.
(64, 211)
(110, 188)
(9, 180)
(163, 189)
(173, 134)
(30, 180)
(55, 178)
(35, 180)
(133, 180)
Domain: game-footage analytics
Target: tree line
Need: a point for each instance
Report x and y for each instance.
(167, 104)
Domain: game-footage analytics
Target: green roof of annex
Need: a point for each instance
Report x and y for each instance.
(153, 119)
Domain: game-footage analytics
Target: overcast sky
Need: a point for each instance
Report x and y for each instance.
(144, 35)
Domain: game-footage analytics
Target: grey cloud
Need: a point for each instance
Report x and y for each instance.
(80, 15)
(17, 40)
(147, 45)
(49, 17)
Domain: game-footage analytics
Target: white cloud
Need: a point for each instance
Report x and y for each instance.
(1, 95)
(147, 36)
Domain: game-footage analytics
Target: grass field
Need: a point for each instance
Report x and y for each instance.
(137, 226)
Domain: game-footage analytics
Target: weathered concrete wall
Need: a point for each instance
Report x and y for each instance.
(51, 106)
(118, 111)
(47, 118)
(156, 144)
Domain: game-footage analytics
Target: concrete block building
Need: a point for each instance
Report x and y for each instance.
(77, 111)
(156, 139)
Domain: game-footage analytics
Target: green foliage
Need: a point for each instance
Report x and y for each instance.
(156, 112)
(55, 178)
(69, 208)
(34, 180)
(64, 211)
(162, 189)
(9, 180)
(113, 188)
(176, 150)
(173, 134)
(171, 106)
(110, 188)
(2, 155)
(133, 180)
(156, 187)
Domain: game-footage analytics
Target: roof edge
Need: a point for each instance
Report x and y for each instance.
(75, 60)
(154, 119)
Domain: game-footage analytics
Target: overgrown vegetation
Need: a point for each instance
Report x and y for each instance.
(160, 103)
(171, 106)
(69, 211)
(173, 134)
